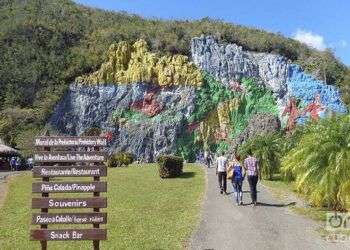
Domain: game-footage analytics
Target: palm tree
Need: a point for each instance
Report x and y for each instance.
(266, 148)
(321, 163)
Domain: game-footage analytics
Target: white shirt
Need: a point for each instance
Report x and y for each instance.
(222, 163)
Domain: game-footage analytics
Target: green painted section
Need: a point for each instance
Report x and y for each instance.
(208, 96)
(256, 99)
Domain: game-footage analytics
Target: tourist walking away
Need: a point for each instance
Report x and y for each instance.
(237, 178)
(221, 168)
(207, 158)
(251, 166)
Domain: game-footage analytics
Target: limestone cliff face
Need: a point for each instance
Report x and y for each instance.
(154, 104)
(134, 63)
(259, 124)
(87, 106)
(229, 61)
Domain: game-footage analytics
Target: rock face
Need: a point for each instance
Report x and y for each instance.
(87, 106)
(305, 87)
(261, 123)
(128, 63)
(230, 62)
(146, 102)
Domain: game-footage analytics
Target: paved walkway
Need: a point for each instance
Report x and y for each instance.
(270, 225)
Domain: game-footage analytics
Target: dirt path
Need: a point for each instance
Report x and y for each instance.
(271, 225)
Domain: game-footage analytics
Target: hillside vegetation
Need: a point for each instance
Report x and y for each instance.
(45, 45)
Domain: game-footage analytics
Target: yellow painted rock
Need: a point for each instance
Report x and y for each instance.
(135, 63)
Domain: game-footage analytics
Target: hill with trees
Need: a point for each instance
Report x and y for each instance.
(45, 45)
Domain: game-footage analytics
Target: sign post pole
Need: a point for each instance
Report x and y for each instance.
(96, 243)
(44, 210)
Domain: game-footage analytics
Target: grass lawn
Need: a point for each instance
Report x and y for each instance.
(144, 211)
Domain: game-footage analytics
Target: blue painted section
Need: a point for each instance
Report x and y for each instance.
(305, 87)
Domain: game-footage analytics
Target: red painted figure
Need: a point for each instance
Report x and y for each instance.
(108, 135)
(192, 127)
(293, 112)
(314, 108)
(236, 86)
(148, 105)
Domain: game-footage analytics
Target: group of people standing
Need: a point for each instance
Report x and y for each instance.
(236, 172)
(16, 164)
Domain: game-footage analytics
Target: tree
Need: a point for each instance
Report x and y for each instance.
(320, 163)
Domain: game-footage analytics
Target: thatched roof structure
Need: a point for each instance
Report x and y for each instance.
(6, 151)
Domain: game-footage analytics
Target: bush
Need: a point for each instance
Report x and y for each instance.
(120, 159)
(320, 161)
(170, 166)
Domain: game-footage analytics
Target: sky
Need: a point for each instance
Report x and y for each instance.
(319, 23)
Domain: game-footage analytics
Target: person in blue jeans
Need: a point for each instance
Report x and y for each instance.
(237, 179)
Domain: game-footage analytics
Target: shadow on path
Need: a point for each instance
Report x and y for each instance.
(275, 205)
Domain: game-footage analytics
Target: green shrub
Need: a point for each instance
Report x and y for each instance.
(320, 162)
(120, 159)
(170, 166)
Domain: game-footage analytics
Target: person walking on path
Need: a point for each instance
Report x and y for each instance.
(251, 166)
(221, 168)
(207, 158)
(237, 179)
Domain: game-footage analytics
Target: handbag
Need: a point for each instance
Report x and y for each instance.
(230, 174)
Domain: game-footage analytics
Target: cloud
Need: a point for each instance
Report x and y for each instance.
(311, 39)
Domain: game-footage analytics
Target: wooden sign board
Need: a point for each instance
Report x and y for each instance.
(70, 141)
(70, 156)
(69, 218)
(68, 234)
(69, 171)
(95, 202)
(69, 187)
(84, 155)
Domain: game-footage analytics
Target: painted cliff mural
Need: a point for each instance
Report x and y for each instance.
(151, 104)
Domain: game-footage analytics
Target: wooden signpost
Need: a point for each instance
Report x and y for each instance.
(69, 156)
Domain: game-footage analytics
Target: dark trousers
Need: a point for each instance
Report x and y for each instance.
(208, 162)
(222, 181)
(253, 180)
